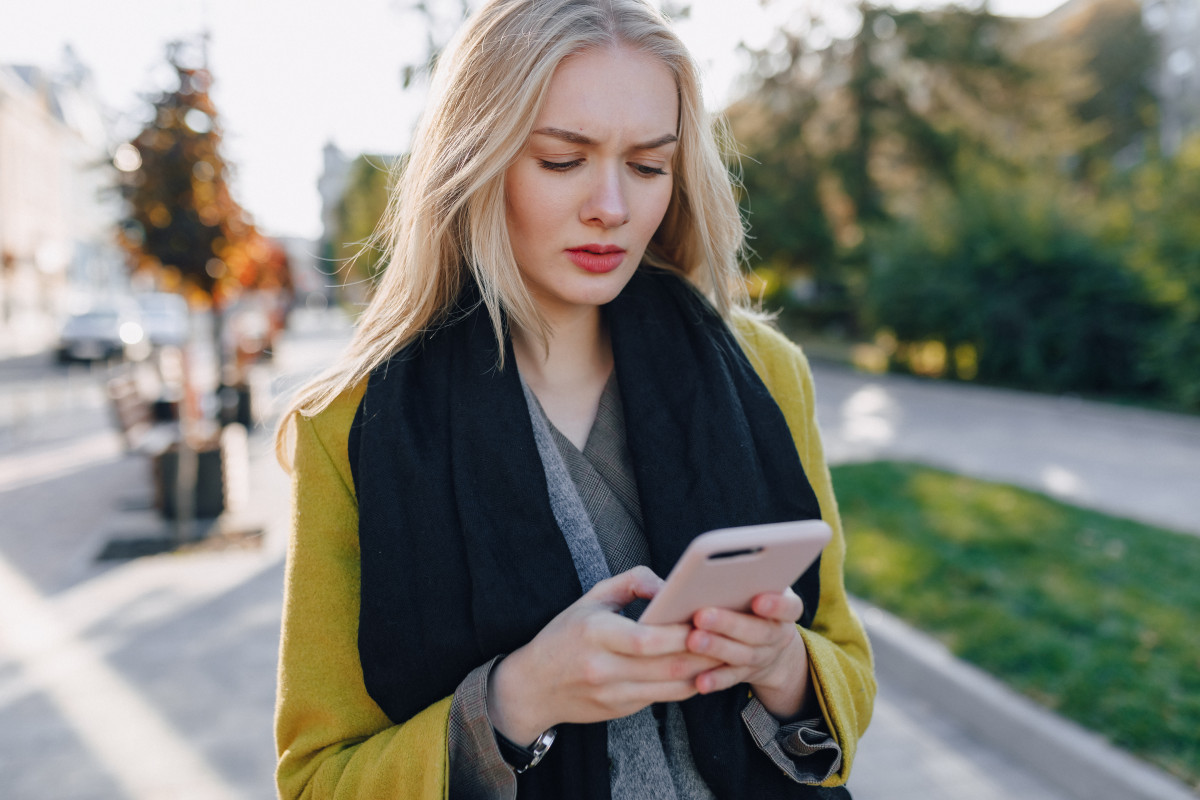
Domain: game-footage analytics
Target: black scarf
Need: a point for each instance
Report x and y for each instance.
(461, 556)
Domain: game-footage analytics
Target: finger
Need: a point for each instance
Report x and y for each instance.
(626, 699)
(668, 691)
(745, 628)
(621, 590)
(679, 667)
(614, 679)
(648, 640)
(728, 651)
(721, 678)
(783, 606)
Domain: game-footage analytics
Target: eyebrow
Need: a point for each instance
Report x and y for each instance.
(579, 138)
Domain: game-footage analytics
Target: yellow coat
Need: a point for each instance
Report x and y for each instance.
(335, 742)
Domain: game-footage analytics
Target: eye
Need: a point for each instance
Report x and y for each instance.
(559, 166)
(647, 171)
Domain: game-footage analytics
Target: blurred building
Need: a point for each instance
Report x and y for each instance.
(1176, 23)
(354, 196)
(56, 209)
(311, 284)
(331, 185)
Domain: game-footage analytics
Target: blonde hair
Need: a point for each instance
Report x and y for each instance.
(446, 216)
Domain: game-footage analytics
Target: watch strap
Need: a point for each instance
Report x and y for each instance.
(524, 758)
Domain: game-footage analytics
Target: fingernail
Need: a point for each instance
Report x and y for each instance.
(702, 641)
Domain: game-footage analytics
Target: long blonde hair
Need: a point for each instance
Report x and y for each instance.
(446, 216)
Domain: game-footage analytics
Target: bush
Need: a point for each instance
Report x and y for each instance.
(1002, 276)
(1165, 247)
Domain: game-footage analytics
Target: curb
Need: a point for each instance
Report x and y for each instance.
(1074, 760)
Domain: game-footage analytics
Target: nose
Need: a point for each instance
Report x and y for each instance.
(606, 204)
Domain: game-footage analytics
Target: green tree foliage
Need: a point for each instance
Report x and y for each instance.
(1120, 56)
(438, 20)
(182, 223)
(362, 206)
(781, 194)
(843, 136)
(1153, 218)
(947, 174)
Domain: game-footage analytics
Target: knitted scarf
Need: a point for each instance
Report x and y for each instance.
(462, 558)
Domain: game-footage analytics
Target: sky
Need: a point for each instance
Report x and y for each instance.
(291, 75)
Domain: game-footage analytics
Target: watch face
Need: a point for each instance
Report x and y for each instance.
(543, 742)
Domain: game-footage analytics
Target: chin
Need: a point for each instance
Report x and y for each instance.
(587, 290)
(596, 290)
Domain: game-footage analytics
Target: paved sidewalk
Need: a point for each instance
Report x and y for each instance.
(155, 678)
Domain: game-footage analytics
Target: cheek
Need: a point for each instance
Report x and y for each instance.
(532, 206)
(655, 207)
(520, 213)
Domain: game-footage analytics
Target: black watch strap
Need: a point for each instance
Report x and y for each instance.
(523, 758)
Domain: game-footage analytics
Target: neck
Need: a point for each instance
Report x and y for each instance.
(578, 350)
(568, 375)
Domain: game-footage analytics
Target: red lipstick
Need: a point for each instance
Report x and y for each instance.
(597, 258)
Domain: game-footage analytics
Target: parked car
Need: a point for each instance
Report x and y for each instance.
(103, 333)
(164, 318)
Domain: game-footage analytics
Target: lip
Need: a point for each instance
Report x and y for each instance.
(596, 258)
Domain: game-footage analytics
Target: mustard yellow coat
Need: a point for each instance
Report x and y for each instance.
(335, 742)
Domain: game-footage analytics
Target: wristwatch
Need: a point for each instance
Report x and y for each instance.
(524, 758)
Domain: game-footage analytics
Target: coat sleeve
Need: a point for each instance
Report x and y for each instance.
(840, 660)
(333, 740)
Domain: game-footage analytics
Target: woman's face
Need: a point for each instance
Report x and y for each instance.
(594, 179)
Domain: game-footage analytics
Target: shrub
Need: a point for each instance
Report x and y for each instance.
(1165, 248)
(1005, 275)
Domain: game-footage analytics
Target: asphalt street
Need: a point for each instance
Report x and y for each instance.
(154, 678)
(1130, 462)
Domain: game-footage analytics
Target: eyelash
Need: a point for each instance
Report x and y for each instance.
(648, 172)
(559, 166)
(562, 166)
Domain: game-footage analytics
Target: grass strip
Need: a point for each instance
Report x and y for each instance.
(1093, 616)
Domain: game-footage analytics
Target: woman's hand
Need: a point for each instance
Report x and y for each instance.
(590, 664)
(763, 649)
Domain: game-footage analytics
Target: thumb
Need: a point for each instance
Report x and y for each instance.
(621, 590)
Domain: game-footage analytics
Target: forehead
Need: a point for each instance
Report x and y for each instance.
(612, 94)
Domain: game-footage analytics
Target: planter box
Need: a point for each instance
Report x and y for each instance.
(236, 405)
(209, 500)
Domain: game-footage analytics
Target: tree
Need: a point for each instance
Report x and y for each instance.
(1153, 218)
(183, 226)
(1119, 55)
(439, 25)
(358, 214)
(861, 127)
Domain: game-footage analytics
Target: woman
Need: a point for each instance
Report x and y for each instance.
(554, 389)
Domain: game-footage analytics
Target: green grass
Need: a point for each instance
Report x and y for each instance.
(1095, 617)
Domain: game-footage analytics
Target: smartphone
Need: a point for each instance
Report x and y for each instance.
(727, 568)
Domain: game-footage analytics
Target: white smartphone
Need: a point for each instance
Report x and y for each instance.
(728, 568)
